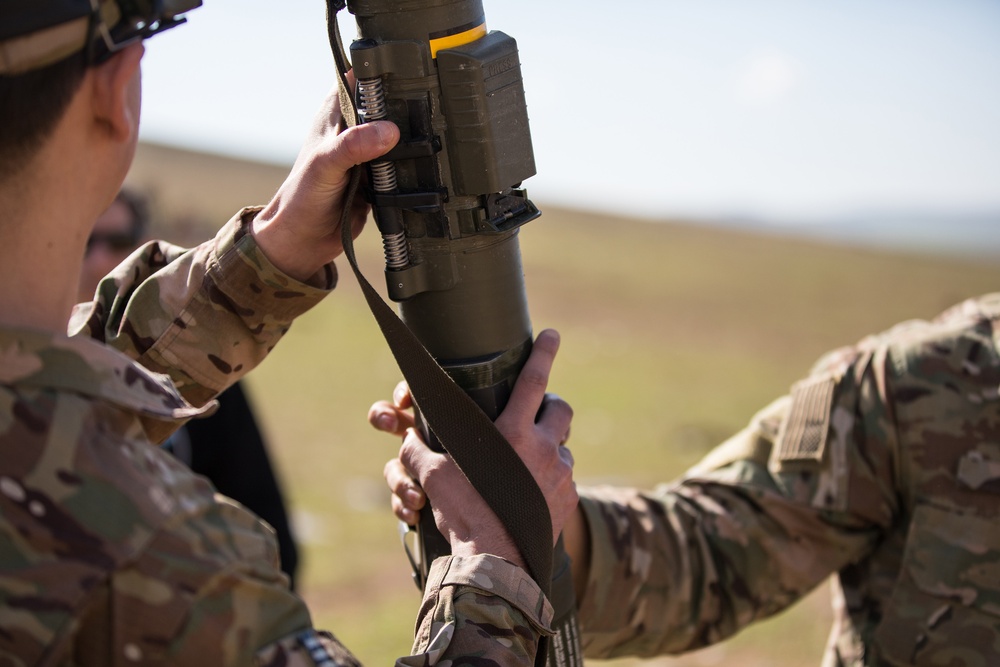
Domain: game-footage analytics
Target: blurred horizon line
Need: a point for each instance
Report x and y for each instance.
(965, 231)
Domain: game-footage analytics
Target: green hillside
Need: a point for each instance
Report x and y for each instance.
(673, 336)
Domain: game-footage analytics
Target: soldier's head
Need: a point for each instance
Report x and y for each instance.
(116, 233)
(46, 48)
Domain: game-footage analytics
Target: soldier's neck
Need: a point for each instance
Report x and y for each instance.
(43, 235)
(37, 287)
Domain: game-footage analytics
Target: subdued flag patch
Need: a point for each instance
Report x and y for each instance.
(804, 433)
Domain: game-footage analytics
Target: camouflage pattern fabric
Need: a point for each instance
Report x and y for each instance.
(113, 553)
(204, 317)
(479, 610)
(881, 468)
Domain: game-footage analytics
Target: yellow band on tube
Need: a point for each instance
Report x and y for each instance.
(458, 39)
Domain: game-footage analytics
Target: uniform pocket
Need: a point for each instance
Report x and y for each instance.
(945, 608)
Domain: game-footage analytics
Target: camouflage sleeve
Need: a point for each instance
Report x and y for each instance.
(479, 610)
(204, 316)
(806, 488)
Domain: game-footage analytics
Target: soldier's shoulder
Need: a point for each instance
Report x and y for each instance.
(75, 465)
(958, 344)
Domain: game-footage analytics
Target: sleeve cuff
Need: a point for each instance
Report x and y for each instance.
(600, 556)
(495, 576)
(242, 272)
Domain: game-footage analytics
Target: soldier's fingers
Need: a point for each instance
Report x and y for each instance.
(401, 396)
(362, 143)
(386, 417)
(566, 455)
(554, 418)
(529, 389)
(382, 416)
(403, 486)
(430, 469)
(403, 513)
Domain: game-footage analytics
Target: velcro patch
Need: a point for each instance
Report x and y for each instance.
(804, 432)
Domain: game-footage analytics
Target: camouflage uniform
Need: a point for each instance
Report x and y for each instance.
(882, 467)
(113, 553)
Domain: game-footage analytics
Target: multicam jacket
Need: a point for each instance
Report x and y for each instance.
(882, 467)
(112, 553)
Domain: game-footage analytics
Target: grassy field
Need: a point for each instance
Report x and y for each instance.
(673, 336)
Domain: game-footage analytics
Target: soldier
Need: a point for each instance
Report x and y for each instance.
(882, 467)
(111, 551)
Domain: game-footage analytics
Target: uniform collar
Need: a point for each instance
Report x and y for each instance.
(84, 366)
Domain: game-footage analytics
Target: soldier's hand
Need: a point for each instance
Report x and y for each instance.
(535, 423)
(396, 417)
(299, 230)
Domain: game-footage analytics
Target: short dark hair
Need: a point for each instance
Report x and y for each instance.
(31, 105)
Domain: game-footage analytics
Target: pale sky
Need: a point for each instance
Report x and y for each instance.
(776, 108)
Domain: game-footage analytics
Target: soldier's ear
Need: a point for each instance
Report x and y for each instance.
(117, 89)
